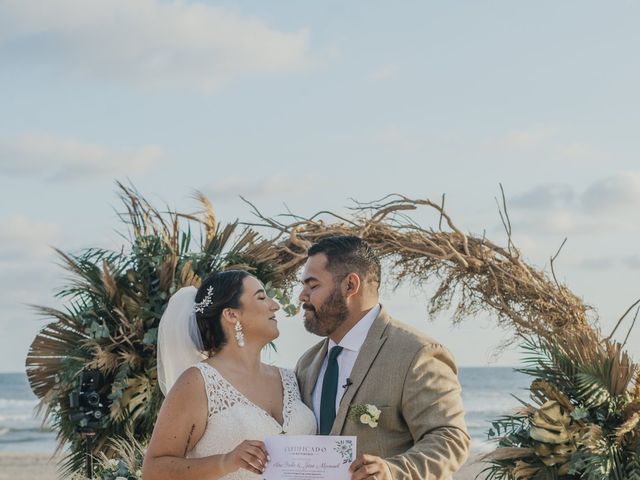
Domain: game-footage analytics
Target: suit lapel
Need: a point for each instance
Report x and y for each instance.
(311, 375)
(368, 353)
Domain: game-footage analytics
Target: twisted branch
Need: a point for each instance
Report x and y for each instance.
(481, 272)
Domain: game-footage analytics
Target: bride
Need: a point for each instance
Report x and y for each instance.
(215, 417)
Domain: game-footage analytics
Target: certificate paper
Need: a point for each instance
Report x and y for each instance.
(309, 457)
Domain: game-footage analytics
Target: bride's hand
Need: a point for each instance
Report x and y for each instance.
(250, 455)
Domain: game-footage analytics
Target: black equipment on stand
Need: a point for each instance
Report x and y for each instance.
(88, 411)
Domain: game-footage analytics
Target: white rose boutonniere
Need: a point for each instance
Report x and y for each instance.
(366, 414)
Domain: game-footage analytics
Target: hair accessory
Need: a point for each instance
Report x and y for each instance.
(206, 301)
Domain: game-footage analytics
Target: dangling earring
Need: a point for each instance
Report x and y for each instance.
(239, 334)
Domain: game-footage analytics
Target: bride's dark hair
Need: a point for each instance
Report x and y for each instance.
(226, 289)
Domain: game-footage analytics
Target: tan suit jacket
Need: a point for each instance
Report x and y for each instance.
(413, 380)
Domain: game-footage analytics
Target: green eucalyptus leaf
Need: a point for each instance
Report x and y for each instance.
(150, 337)
(579, 413)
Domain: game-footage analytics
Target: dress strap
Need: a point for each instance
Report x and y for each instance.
(291, 394)
(220, 396)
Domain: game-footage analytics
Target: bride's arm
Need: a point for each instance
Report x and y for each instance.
(180, 425)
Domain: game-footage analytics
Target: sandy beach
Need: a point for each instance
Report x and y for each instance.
(23, 466)
(29, 466)
(470, 469)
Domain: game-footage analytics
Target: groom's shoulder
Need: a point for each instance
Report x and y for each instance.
(306, 358)
(409, 343)
(408, 337)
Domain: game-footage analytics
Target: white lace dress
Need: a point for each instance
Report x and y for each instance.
(233, 418)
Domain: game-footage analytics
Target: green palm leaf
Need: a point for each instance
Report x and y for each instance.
(592, 388)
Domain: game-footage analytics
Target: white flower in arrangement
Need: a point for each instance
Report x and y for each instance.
(138, 473)
(375, 412)
(366, 414)
(121, 478)
(113, 463)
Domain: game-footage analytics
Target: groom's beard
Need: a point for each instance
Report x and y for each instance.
(325, 319)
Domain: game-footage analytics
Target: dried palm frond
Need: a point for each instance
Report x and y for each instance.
(628, 426)
(522, 470)
(544, 391)
(114, 302)
(208, 216)
(123, 460)
(508, 453)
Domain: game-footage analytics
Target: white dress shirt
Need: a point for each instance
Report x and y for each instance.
(351, 343)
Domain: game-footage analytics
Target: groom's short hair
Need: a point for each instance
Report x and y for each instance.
(348, 253)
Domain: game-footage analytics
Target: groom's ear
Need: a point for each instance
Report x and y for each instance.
(352, 284)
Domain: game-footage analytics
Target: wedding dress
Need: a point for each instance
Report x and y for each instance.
(233, 418)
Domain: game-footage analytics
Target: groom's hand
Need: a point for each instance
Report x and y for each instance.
(370, 467)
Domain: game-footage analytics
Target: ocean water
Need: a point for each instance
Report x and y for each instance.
(487, 393)
(21, 431)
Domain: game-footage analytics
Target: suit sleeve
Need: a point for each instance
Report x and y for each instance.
(298, 372)
(296, 369)
(432, 408)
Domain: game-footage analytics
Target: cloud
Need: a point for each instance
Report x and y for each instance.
(597, 264)
(617, 192)
(577, 152)
(398, 138)
(522, 139)
(54, 157)
(22, 238)
(276, 185)
(28, 271)
(557, 208)
(546, 143)
(605, 263)
(552, 195)
(28, 275)
(385, 72)
(620, 191)
(147, 42)
(557, 222)
(632, 262)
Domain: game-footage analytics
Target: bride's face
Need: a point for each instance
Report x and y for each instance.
(257, 312)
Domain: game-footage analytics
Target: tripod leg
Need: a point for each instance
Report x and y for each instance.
(89, 457)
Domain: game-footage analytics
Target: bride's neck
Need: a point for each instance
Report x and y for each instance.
(247, 358)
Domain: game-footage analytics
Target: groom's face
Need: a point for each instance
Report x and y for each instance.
(323, 302)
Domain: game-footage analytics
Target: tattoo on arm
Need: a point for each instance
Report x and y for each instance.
(186, 448)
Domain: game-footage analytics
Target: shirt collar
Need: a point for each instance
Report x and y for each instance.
(354, 338)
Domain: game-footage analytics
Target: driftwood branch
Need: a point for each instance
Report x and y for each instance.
(472, 272)
(619, 322)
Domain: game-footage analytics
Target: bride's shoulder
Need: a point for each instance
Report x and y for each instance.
(191, 378)
(189, 385)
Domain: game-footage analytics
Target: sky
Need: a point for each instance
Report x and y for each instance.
(306, 105)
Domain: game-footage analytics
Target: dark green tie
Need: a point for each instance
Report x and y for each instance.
(329, 391)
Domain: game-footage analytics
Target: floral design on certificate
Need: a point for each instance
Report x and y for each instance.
(345, 449)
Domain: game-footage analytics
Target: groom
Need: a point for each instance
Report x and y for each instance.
(368, 358)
